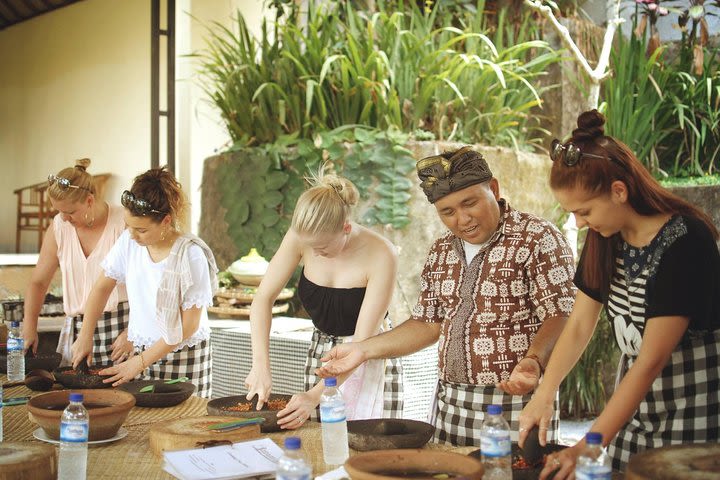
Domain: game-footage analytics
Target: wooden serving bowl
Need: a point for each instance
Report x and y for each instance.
(108, 409)
(412, 463)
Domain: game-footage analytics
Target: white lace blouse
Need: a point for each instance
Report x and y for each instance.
(130, 264)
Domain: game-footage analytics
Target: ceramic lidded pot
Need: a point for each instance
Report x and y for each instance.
(250, 269)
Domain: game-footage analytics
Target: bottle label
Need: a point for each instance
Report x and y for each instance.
(14, 344)
(74, 432)
(495, 445)
(332, 413)
(599, 472)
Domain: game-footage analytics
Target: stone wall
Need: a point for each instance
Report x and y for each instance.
(523, 182)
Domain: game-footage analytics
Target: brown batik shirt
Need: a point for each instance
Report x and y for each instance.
(491, 309)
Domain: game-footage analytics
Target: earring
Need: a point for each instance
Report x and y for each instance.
(162, 235)
(91, 222)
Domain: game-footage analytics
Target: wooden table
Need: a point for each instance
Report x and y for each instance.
(132, 458)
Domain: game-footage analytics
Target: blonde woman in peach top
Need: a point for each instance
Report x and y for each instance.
(80, 236)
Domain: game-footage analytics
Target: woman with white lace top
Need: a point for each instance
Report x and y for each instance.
(170, 278)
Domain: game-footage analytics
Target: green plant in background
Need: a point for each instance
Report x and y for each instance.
(667, 107)
(695, 103)
(337, 83)
(583, 392)
(633, 99)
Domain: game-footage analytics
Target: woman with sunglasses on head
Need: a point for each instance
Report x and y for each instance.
(80, 236)
(346, 286)
(170, 278)
(651, 260)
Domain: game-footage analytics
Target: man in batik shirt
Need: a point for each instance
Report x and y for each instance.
(495, 291)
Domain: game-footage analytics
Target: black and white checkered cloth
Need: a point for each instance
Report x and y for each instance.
(322, 343)
(109, 326)
(682, 406)
(461, 409)
(193, 362)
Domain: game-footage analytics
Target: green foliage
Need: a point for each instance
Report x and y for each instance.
(666, 107)
(582, 393)
(337, 65)
(694, 102)
(633, 98)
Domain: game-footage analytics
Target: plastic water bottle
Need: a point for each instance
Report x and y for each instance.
(293, 465)
(334, 424)
(74, 429)
(495, 446)
(15, 355)
(593, 463)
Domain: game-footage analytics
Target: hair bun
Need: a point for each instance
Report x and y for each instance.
(82, 164)
(591, 124)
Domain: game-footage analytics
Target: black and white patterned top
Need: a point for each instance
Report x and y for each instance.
(677, 274)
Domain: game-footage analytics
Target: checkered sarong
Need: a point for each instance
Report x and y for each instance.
(193, 362)
(682, 404)
(460, 411)
(322, 343)
(109, 326)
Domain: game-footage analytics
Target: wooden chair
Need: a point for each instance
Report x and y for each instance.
(35, 212)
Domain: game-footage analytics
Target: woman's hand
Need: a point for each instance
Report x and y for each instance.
(258, 382)
(123, 372)
(523, 379)
(563, 461)
(30, 339)
(297, 411)
(538, 411)
(122, 348)
(82, 349)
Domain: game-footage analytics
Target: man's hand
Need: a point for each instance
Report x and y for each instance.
(82, 350)
(122, 348)
(523, 379)
(343, 358)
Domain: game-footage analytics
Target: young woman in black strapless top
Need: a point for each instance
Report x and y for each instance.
(346, 287)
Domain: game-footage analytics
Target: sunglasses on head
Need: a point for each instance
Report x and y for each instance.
(137, 205)
(569, 153)
(62, 182)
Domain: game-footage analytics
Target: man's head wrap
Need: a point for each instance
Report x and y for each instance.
(443, 174)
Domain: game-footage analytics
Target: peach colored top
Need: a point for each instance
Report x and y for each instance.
(79, 273)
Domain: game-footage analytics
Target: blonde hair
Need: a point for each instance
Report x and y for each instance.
(326, 205)
(79, 177)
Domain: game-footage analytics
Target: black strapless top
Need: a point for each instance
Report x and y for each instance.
(333, 311)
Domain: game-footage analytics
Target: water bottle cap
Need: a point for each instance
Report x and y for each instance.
(331, 382)
(593, 438)
(14, 324)
(76, 397)
(292, 443)
(494, 409)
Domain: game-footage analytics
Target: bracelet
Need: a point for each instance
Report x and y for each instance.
(142, 361)
(532, 356)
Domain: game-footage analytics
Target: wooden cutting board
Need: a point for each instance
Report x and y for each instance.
(25, 461)
(192, 432)
(700, 461)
